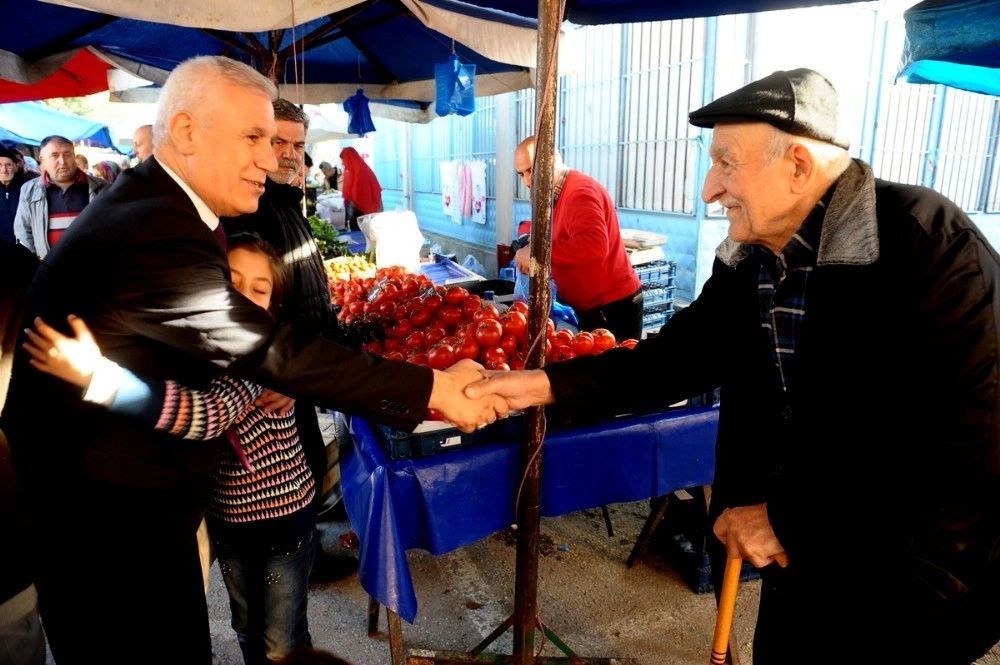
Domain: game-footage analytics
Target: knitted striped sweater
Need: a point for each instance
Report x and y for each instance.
(281, 482)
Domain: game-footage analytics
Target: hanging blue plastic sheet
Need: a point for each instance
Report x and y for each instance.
(456, 87)
(359, 115)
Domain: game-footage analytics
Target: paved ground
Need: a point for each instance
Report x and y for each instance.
(587, 596)
(590, 599)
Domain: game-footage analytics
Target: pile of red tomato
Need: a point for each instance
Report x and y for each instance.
(410, 318)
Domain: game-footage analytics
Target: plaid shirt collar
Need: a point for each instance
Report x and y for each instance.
(782, 289)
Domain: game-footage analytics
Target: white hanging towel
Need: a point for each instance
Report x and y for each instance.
(466, 184)
(478, 169)
(450, 203)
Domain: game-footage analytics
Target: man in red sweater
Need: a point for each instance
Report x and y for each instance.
(590, 267)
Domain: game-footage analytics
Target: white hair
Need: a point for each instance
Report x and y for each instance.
(187, 87)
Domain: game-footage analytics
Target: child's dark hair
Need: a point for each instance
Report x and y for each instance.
(255, 243)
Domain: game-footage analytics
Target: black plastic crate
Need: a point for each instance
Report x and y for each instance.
(406, 445)
(694, 566)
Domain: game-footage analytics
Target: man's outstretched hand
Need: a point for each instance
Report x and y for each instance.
(519, 389)
(467, 413)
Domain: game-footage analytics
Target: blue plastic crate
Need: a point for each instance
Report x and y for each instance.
(445, 271)
(657, 293)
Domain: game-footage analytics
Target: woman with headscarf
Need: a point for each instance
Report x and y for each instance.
(107, 169)
(362, 191)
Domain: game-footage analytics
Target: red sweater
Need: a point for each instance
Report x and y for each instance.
(589, 262)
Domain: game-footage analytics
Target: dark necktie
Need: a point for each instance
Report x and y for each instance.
(220, 234)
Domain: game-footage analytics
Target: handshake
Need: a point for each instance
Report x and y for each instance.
(469, 396)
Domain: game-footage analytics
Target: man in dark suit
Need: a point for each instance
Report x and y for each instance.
(117, 505)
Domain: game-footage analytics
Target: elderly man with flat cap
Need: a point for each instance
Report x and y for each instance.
(853, 326)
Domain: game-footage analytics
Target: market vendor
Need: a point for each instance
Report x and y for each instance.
(590, 266)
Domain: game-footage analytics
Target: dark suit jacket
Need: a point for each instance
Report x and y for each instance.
(151, 280)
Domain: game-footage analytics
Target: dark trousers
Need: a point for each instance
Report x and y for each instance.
(120, 581)
(622, 317)
(351, 214)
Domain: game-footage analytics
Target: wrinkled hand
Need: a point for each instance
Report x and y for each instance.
(271, 402)
(522, 259)
(465, 413)
(747, 533)
(72, 359)
(520, 389)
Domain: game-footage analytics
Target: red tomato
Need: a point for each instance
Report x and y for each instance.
(420, 315)
(434, 334)
(489, 332)
(441, 356)
(451, 315)
(628, 343)
(455, 295)
(387, 307)
(471, 305)
(503, 367)
(434, 414)
(432, 301)
(464, 330)
(515, 323)
(519, 306)
(560, 353)
(388, 291)
(486, 311)
(417, 358)
(467, 347)
(392, 344)
(393, 355)
(411, 286)
(400, 329)
(415, 340)
(493, 356)
(583, 343)
(508, 343)
(604, 339)
(563, 336)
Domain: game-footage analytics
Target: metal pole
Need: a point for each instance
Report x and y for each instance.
(529, 501)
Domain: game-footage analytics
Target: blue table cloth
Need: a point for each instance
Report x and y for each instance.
(445, 501)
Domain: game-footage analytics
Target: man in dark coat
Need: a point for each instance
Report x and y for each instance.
(11, 180)
(852, 325)
(118, 506)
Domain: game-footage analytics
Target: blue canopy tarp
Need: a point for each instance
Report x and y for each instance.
(955, 43)
(27, 123)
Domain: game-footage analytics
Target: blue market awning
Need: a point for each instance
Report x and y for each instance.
(954, 43)
(28, 123)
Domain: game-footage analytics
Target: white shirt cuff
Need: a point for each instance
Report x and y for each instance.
(104, 383)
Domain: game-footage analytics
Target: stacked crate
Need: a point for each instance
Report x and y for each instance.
(657, 278)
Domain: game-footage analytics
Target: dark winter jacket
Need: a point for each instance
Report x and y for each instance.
(881, 469)
(8, 207)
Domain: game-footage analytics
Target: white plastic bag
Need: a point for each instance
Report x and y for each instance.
(395, 238)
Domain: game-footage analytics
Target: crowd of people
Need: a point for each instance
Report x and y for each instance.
(181, 322)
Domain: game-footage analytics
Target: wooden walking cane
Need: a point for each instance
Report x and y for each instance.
(727, 607)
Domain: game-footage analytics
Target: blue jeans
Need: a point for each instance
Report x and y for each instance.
(268, 590)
